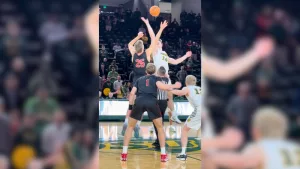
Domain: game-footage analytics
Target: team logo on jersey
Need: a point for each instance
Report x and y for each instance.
(139, 63)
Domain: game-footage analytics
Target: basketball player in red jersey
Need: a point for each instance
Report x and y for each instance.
(140, 58)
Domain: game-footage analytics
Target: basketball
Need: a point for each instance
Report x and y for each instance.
(154, 11)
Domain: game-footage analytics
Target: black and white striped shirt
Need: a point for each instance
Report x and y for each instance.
(163, 94)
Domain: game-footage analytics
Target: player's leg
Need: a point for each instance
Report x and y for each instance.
(155, 115)
(162, 106)
(192, 122)
(184, 140)
(131, 124)
(132, 120)
(127, 116)
(171, 107)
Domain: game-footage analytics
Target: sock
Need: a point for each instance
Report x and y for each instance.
(126, 120)
(125, 148)
(138, 123)
(183, 150)
(163, 150)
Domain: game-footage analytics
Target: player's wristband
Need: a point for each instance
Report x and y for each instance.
(130, 107)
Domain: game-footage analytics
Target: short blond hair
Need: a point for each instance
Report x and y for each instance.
(150, 68)
(191, 80)
(270, 122)
(139, 46)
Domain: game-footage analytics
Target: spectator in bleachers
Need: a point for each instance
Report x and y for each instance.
(105, 62)
(264, 19)
(181, 74)
(12, 94)
(56, 133)
(13, 41)
(15, 120)
(263, 91)
(113, 65)
(241, 108)
(103, 81)
(118, 83)
(174, 23)
(137, 14)
(189, 64)
(113, 74)
(53, 30)
(108, 85)
(103, 71)
(42, 106)
(19, 69)
(108, 24)
(125, 89)
(266, 71)
(45, 78)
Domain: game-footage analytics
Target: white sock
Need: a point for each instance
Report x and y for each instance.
(183, 150)
(163, 150)
(138, 123)
(174, 114)
(125, 148)
(126, 120)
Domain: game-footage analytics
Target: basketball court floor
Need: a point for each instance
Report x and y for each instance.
(141, 153)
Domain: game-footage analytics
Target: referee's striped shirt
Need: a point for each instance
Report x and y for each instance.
(163, 94)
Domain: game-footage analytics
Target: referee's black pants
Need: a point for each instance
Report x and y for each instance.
(163, 104)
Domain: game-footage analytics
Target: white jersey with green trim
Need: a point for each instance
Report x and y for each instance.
(161, 59)
(280, 154)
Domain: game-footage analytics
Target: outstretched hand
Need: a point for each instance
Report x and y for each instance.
(264, 47)
(188, 54)
(164, 24)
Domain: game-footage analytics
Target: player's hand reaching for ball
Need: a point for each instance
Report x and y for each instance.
(188, 54)
(264, 47)
(164, 24)
(146, 21)
(140, 34)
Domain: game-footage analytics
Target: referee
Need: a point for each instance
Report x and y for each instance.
(162, 99)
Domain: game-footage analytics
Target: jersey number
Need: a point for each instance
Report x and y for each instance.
(147, 82)
(197, 91)
(165, 58)
(288, 158)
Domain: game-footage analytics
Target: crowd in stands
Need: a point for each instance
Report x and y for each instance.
(120, 26)
(227, 33)
(43, 56)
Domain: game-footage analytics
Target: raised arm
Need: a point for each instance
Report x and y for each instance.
(91, 22)
(223, 71)
(177, 61)
(184, 91)
(132, 42)
(150, 30)
(252, 157)
(149, 51)
(163, 86)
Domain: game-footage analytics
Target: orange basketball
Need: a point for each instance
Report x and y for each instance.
(154, 11)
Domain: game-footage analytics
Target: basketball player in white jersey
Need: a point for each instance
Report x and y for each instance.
(193, 93)
(270, 149)
(161, 58)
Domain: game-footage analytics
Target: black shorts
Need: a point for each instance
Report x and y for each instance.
(144, 103)
(162, 104)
